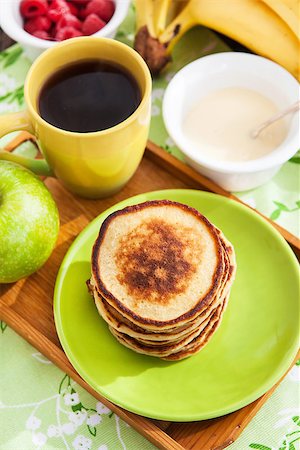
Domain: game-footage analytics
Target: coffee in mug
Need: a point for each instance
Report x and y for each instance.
(88, 96)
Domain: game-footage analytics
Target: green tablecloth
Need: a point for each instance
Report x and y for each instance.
(40, 407)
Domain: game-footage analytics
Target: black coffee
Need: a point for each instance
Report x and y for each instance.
(88, 96)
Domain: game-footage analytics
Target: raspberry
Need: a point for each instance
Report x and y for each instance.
(92, 24)
(60, 4)
(57, 9)
(73, 9)
(67, 33)
(41, 23)
(103, 8)
(33, 8)
(81, 13)
(42, 34)
(54, 14)
(68, 20)
(80, 2)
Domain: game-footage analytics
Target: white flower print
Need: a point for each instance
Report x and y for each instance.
(33, 423)
(68, 428)
(53, 431)
(169, 76)
(103, 447)
(102, 409)
(155, 110)
(82, 443)
(7, 84)
(287, 413)
(71, 399)
(77, 417)
(93, 420)
(169, 141)
(41, 358)
(251, 202)
(157, 94)
(39, 439)
(5, 108)
(294, 374)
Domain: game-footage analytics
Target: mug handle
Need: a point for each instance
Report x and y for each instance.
(20, 121)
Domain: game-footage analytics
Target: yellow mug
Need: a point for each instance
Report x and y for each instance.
(95, 164)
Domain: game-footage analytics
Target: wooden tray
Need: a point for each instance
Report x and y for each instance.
(26, 306)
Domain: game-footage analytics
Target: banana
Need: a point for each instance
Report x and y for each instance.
(286, 13)
(146, 42)
(293, 5)
(160, 13)
(157, 14)
(175, 8)
(144, 15)
(250, 22)
(185, 20)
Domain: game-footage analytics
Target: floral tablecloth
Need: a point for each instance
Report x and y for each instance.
(40, 406)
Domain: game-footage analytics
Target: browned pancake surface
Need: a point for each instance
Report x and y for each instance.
(156, 260)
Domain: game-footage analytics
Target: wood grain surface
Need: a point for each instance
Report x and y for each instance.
(26, 306)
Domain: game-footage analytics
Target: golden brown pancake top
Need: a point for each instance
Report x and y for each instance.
(156, 260)
(183, 290)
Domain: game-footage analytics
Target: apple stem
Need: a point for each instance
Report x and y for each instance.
(37, 166)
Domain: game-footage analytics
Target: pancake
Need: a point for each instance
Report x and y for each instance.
(161, 278)
(187, 344)
(132, 328)
(190, 351)
(122, 324)
(198, 342)
(163, 339)
(168, 348)
(158, 263)
(146, 337)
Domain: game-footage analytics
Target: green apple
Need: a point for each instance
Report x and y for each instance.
(29, 222)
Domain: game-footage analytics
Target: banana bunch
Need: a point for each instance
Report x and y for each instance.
(270, 28)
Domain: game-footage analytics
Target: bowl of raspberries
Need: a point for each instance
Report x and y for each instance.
(40, 24)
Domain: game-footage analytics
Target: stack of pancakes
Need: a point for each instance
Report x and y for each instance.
(161, 276)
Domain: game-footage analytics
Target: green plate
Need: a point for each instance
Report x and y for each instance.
(253, 347)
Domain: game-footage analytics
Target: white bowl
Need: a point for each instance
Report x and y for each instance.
(224, 70)
(12, 24)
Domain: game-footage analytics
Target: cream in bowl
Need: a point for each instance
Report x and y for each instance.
(212, 105)
(220, 125)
